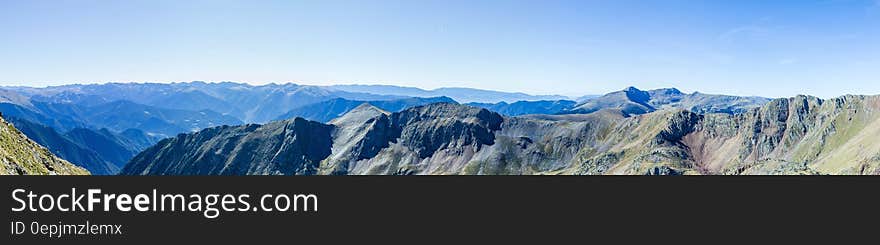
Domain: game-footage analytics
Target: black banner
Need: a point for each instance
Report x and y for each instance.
(410, 209)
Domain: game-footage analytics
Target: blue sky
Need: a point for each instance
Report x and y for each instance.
(747, 47)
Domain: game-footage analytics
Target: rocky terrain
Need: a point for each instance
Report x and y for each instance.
(286, 147)
(800, 135)
(102, 126)
(356, 129)
(21, 156)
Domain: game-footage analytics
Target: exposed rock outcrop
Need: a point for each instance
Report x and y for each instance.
(286, 147)
(800, 135)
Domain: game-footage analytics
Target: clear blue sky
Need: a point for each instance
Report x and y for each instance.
(748, 47)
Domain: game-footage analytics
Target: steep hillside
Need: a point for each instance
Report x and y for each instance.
(298, 146)
(286, 147)
(357, 135)
(109, 146)
(78, 153)
(806, 134)
(137, 139)
(21, 156)
(438, 138)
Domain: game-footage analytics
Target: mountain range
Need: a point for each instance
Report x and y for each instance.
(232, 128)
(121, 113)
(799, 135)
(528, 107)
(462, 95)
(634, 101)
(330, 109)
(101, 151)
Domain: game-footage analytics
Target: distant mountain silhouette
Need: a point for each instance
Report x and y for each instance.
(330, 109)
(528, 107)
(462, 95)
(76, 152)
(632, 101)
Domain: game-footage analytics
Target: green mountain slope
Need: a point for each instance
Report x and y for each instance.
(66, 148)
(21, 156)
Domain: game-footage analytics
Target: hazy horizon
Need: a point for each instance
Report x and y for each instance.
(570, 95)
(825, 48)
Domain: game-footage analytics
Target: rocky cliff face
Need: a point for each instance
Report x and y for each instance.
(21, 156)
(800, 135)
(359, 134)
(366, 140)
(286, 147)
(434, 139)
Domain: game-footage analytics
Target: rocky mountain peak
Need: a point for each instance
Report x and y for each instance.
(450, 111)
(359, 115)
(667, 91)
(631, 89)
(427, 129)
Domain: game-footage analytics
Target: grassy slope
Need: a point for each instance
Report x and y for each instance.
(19, 155)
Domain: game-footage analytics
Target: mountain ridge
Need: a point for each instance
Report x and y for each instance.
(632, 131)
(633, 101)
(798, 135)
(459, 94)
(327, 110)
